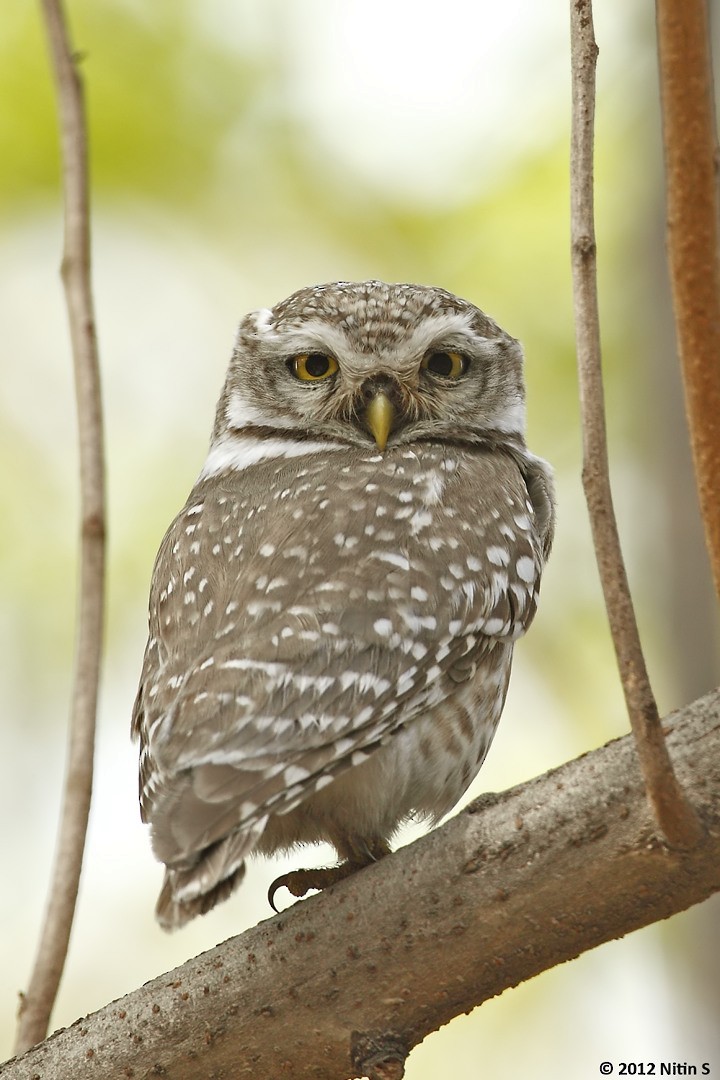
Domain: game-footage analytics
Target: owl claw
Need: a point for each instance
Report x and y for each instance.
(300, 882)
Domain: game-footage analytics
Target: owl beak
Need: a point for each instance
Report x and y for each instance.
(379, 415)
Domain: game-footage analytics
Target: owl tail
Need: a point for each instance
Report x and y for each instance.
(172, 913)
(216, 872)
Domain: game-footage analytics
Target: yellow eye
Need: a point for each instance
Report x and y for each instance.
(449, 365)
(314, 366)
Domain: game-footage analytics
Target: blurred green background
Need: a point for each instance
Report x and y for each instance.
(241, 150)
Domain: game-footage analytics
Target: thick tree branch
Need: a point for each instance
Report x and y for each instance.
(693, 234)
(510, 887)
(36, 1004)
(674, 814)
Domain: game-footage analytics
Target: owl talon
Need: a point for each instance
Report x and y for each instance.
(300, 882)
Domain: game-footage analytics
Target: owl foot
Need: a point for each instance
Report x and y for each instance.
(301, 882)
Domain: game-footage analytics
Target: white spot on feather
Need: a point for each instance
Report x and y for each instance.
(295, 774)
(525, 568)
(498, 556)
(401, 561)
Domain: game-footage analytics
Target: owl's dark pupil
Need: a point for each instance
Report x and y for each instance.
(317, 364)
(440, 363)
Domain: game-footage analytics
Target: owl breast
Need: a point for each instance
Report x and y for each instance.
(330, 644)
(389, 527)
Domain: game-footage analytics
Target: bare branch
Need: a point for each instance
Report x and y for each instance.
(691, 162)
(37, 1004)
(364, 971)
(674, 814)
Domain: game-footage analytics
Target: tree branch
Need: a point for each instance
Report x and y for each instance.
(674, 814)
(36, 1005)
(512, 886)
(693, 233)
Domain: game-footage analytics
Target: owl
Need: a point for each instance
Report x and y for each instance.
(333, 611)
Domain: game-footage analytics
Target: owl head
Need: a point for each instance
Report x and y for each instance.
(368, 363)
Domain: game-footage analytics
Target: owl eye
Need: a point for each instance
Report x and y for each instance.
(312, 367)
(449, 365)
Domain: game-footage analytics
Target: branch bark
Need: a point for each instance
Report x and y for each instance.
(693, 233)
(36, 1005)
(512, 886)
(672, 810)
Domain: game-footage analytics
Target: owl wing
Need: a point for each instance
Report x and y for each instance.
(298, 667)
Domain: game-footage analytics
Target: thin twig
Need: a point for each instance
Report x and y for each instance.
(673, 813)
(691, 161)
(37, 1004)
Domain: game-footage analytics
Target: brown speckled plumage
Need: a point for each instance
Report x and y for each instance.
(331, 627)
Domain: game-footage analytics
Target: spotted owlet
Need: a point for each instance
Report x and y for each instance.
(333, 611)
